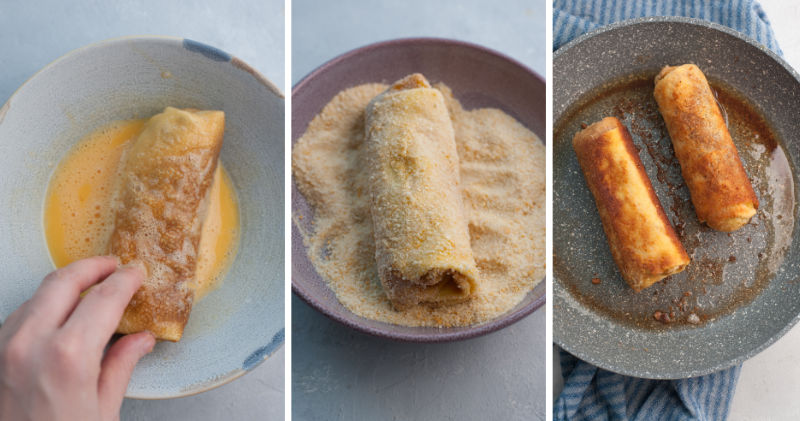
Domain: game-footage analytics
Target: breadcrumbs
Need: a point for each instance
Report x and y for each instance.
(503, 187)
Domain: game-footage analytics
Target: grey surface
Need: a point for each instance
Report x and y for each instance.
(321, 30)
(338, 373)
(729, 338)
(256, 396)
(768, 382)
(341, 374)
(32, 34)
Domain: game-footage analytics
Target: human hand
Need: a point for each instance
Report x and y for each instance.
(52, 365)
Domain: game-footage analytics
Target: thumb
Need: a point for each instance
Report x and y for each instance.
(116, 370)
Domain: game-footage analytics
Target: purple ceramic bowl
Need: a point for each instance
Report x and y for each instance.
(479, 78)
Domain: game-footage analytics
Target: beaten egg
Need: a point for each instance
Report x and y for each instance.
(79, 207)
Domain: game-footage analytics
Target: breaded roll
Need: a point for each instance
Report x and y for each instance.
(721, 192)
(422, 246)
(642, 240)
(166, 176)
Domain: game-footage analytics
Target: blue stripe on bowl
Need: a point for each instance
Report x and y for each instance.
(261, 353)
(210, 52)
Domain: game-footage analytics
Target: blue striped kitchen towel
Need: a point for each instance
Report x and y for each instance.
(572, 18)
(591, 393)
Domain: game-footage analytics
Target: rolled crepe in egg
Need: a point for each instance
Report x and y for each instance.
(166, 175)
(642, 241)
(721, 192)
(422, 247)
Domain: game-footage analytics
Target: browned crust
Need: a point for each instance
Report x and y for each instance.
(626, 229)
(412, 81)
(147, 311)
(158, 223)
(718, 184)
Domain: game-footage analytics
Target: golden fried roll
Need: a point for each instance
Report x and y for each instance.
(163, 193)
(422, 247)
(720, 190)
(642, 241)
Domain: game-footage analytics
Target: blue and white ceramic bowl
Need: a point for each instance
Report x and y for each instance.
(241, 323)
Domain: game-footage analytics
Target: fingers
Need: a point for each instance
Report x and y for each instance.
(97, 315)
(117, 367)
(52, 303)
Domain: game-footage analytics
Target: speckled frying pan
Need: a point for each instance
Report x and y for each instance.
(741, 291)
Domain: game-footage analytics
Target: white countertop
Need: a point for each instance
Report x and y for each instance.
(32, 34)
(769, 384)
(340, 374)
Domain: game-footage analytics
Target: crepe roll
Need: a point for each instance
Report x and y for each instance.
(721, 193)
(422, 245)
(166, 176)
(642, 241)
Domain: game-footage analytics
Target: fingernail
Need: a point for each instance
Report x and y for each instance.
(148, 342)
(136, 265)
